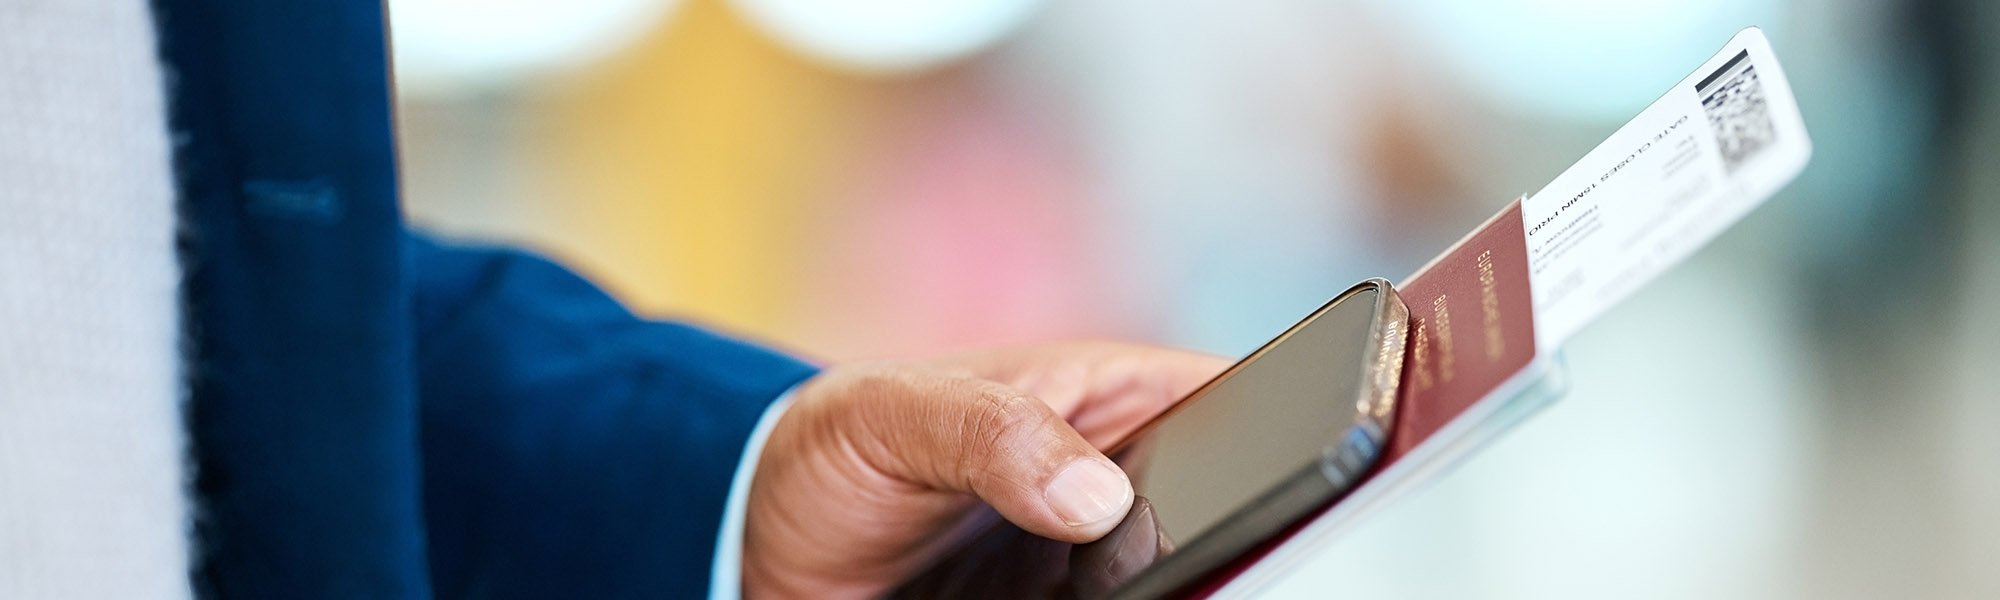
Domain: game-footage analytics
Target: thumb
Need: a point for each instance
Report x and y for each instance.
(1008, 448)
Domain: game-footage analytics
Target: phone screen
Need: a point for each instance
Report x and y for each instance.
(1223, 469)
(1247, 433)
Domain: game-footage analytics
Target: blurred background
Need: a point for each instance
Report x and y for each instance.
(1807, 409)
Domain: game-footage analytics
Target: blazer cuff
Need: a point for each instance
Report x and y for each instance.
(725, 581)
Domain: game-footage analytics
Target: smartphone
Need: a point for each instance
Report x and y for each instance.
(1284, 432)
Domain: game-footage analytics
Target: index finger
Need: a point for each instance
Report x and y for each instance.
(1104, 389)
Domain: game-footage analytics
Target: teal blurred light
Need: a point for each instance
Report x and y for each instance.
(1574, 59)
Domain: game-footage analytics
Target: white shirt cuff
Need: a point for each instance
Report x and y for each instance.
(725, 576)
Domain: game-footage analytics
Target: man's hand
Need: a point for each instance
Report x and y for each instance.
(876, 466)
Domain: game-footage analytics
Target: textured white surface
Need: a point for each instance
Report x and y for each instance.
(91, 501)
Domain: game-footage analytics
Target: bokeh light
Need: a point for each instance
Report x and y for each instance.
(453, 44)
(1573, 59)
(887, 35)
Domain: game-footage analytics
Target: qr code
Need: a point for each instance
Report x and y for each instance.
(1733, 98)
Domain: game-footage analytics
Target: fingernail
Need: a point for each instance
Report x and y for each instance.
(1087, 491)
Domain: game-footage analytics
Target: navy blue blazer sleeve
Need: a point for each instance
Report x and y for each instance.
(571, 449)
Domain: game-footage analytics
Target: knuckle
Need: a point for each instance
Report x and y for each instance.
(877, 388)
(939, 428)
(998, 418)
